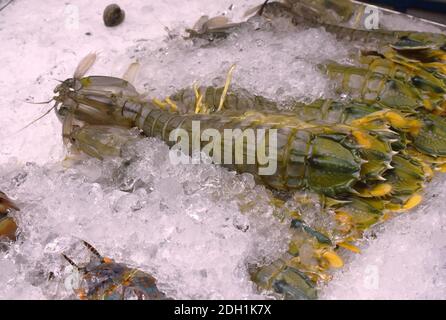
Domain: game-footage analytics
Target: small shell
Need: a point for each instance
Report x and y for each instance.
(113, 15)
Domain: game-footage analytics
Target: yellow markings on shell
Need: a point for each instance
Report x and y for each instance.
(428, 104)
(378, 115)
(349, 247)
(442, 168)
(85, 82)
(441, 67)
(362, 139)
(400, 122)
(379, 190)
(414, 127)
(413, 201)
(226, 87)
(438, 54)
(361, 121)
(396, 120)
(334, 260)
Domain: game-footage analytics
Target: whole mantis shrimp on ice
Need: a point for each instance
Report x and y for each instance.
(104, 279)
(357, 169)
(361, 160)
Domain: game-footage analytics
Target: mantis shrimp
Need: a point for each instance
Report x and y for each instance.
(357, 169)
(104, 279)
(362, 161)
(405, 70)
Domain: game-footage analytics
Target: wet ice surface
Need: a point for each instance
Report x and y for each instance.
(182, 224)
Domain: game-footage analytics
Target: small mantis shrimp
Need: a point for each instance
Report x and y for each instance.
(104, 279)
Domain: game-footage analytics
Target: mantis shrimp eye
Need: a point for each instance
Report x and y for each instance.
(113, 15)
(58, 88)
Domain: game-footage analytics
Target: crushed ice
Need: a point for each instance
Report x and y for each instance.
(271, 62)
(404, 258)
(183, 224)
